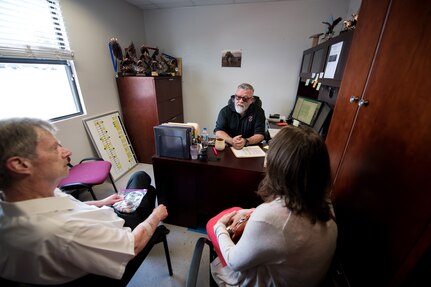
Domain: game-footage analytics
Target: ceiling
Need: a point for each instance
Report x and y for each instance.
(164, 4)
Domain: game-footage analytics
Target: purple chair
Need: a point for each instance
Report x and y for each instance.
(83, 176)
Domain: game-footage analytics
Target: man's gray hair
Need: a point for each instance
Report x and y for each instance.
(245, 86)
(18, 137)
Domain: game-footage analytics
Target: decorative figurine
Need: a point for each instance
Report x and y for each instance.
(129, 63)
(144, 63)
(315, 38)
(116, 53)
(350, 24)
(330, 32)
(156, 64)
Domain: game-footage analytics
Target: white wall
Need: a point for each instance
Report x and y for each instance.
(272, 37)
(90, 25)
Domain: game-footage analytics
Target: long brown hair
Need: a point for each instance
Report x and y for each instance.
(298, 170)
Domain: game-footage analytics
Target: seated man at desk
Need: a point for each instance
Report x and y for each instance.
(242, 121)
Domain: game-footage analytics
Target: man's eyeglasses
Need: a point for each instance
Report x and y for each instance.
(244, 99)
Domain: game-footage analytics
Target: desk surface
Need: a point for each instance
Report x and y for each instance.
(225, 159)
(195, 190)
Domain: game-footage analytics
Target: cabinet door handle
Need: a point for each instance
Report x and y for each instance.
(363, 103)
(171, 79)
(172, 100)
(173, 119)
(353, 99)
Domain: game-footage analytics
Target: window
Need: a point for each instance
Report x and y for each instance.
(36, 64)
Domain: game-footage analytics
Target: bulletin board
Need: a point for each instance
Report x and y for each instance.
(111, 142)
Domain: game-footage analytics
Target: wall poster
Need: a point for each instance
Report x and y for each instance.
(111, 142)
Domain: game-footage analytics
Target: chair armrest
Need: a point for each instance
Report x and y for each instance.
(91, 158)
(196, 261)
(75, 185)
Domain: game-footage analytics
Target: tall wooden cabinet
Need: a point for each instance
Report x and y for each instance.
(314, 63)
(147, 102)
(379, 143)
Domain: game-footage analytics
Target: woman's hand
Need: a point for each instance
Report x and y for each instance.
(240, 214)
(227, 218)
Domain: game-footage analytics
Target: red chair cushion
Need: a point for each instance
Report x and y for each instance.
(211, 234)
(91, 173)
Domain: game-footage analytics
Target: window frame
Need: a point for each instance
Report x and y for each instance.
(33, 53)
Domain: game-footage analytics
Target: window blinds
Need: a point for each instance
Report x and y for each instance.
(33, 29)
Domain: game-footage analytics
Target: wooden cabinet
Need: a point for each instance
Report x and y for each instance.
(379, 147)
(314, 60)
(314, 64)
(147, 102)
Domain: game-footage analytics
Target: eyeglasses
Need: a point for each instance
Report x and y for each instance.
(244, 99)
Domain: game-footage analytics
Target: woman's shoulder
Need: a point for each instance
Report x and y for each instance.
(272, 209)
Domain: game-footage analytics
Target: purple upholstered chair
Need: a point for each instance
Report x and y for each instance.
(83, 176)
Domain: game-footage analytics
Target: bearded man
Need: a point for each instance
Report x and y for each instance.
(242, 122)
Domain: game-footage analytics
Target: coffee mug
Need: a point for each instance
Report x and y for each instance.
(220, 144)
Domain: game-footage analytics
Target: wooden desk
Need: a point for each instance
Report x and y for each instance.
(194, 191)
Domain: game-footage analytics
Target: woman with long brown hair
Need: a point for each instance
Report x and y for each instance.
(290, 239)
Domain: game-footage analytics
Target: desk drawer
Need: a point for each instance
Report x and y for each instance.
(170, 109)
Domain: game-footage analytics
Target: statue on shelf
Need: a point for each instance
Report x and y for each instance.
(350, 24)
(330, 31)
(129, 63)
(172, 64)
(116, 53)
(157, 64)
(144, 63)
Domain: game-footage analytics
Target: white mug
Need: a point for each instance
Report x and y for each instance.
(220, 144)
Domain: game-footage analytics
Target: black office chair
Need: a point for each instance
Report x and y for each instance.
(196, 261)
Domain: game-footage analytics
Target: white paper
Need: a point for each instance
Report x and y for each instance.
(334, 56)
(249, 151)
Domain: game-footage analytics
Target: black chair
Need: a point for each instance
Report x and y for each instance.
(96, 280)
(196, 261)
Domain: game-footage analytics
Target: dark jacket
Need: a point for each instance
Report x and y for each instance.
(253, 122)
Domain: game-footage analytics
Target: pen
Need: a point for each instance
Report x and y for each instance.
(215, 151)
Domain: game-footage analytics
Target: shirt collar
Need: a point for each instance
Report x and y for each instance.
(58, 202)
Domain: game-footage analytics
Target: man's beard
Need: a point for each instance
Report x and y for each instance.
(240, 109)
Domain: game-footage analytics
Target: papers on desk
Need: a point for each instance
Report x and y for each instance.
(194, 126)
(248, 151)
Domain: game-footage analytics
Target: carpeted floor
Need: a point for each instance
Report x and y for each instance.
(181, 241)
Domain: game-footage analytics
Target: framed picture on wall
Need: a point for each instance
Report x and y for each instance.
(231, 58)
